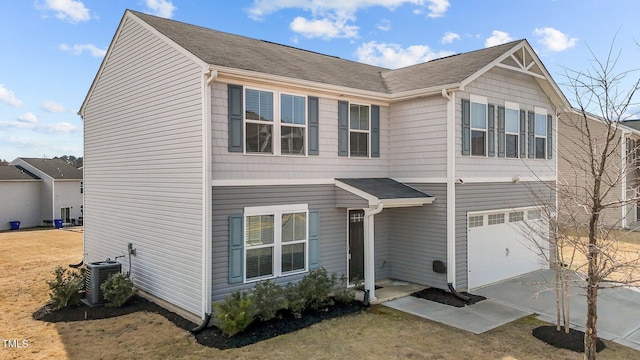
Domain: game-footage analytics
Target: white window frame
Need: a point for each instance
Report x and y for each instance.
(277, 211)
(473, 221)
(368, 132)
(480, 100)
(277, 124)
(542, 112)
(512, 106)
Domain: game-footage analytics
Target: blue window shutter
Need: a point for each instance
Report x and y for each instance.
(343, 128)
(236, 250)
(549, 137)
(466, 127)
(375, 131)
(501, 132)
(314, 237)
(491, 132)
(523, 134)
(235, 118)
(313, 125)
(532, 135)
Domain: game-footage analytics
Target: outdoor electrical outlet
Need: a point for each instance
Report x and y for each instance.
(132, 251)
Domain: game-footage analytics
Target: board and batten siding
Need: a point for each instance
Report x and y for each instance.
(499, 85)
(20, 202)
(487, 197)
(417, 237)
(418, 138)
(327, 164)
(573, 165)
(143, 158)
(232, 200)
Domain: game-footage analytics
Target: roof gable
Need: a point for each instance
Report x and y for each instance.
(55, 168)
(12, 172)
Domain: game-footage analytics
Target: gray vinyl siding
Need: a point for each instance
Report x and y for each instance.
(232, 200)
(345, 199)
(24, 197)
(230, 165)
(500, 85)
(382, 244)
(418, 138)
(492, 196)
(417, 237)
(143, 161)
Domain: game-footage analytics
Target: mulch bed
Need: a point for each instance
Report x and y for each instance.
(211, 336)
(446, 297)
(573, 341)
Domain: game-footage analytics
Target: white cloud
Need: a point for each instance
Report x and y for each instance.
(437, 8)
(78, 49)
(162, 8)
(384, 25)
(325, 28)
(449, 37)
(28, 118)
(53, 107)
(18, 124)
(334, 17)
(8, 97)
(394, 56)
(62, 127)
(497, 37)
(67, 10)
(554, 40)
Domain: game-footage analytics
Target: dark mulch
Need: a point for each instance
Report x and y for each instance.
(85, 312)
(211, 336)
(573, 341)
(259, 330)
(446, 297)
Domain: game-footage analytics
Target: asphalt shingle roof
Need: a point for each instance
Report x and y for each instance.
(385, 188)
(11, 172)
(56, 168)
(239, 52)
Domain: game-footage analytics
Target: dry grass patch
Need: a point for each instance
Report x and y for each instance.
(379, 333)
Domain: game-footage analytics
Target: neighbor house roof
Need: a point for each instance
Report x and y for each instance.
(11, 172)
(634, 124)
(55, 168)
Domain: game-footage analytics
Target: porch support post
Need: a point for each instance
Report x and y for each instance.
(369, 250)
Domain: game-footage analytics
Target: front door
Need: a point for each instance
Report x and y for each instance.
(356, 246)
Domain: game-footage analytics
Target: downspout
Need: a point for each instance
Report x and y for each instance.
(208, 79)
(451, 190)
(369, 252)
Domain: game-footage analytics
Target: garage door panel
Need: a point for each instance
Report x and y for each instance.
(503, 250)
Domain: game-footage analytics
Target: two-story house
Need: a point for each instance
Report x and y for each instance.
(251, 160)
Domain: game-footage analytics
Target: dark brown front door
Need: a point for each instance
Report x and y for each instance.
(356, 245)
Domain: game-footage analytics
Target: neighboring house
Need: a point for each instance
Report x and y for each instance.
(20, 194)
(252, 160)
(61, 188)
(575, 181)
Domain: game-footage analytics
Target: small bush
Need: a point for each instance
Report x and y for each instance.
(117, 289)
(269, 298)
(296, 303)
(235, 313)
(315, 287)
(342, 294)
(66, 287)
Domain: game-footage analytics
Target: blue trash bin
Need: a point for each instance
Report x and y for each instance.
(15, 225)
(57, 223)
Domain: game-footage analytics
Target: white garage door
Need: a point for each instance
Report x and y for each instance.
(505, 244)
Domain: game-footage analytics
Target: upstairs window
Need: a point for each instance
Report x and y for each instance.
(359, 130)
(478, 126)
(512, 130)
(259, 121)
(540, 134)
(293, 121)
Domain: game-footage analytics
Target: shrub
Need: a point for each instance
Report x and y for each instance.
(315, 288)
(117, 289)
(235, 313)
(269, 298)
(296, 303)
(66, 287)
(342, 294)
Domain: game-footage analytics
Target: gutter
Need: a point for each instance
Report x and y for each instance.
(451, 188)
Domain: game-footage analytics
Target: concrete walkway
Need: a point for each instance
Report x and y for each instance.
(508, 300)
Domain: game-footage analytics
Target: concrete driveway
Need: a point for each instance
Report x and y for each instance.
(533, 293)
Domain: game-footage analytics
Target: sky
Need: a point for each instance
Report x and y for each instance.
(51, 50)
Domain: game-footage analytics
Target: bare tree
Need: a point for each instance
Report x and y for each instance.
(599, 186)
